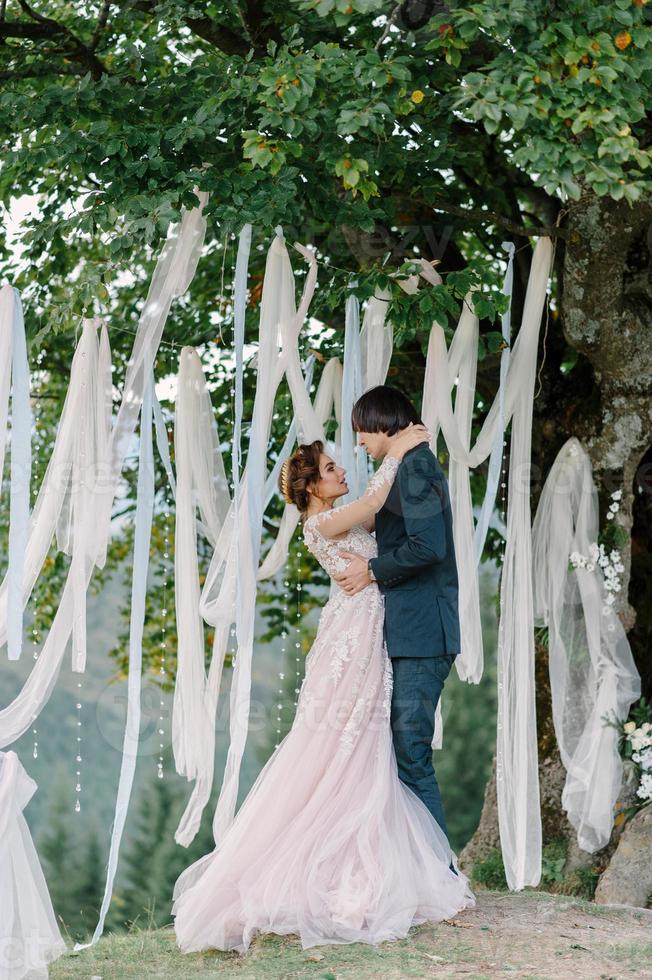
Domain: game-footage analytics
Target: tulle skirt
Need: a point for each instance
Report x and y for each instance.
(329, 844)
(29, 935)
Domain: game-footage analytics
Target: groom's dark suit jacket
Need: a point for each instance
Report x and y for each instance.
(415, 567)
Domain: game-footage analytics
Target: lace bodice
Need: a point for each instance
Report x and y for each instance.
(356, 539)
(326, 550)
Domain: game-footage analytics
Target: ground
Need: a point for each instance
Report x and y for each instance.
(531, 935)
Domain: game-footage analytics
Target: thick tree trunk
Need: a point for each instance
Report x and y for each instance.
(605, 315)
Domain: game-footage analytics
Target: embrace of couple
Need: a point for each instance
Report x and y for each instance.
(342, 837)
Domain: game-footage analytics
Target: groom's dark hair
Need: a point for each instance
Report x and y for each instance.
(383, 409)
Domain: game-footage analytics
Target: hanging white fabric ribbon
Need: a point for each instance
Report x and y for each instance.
(200, 481)
(376, 344)
(89, 464)
(172, 275)
(14, 376)
(239, 309)
(496, 457)
(442, 369)
(354, 459)
(142, 537)
(279, 320)
(327, 399)
(592, 671)
(376, 341)
(517, 779)
(195, 697)
(517, 773)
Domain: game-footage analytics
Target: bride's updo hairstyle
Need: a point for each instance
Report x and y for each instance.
(298, 472)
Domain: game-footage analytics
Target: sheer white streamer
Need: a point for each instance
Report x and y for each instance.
(376, 341)
(354, 459)
(142, 537)
(172, 275)
(76, 529)
(202, 697)
(201, 482)
(517, 775)
(54, 497)
(443, 369)
(517, 782)
(29, 935)
(376, 344)
(280, 323)
(239, 308)
(496, 457)
(327, 399)
(14, 377)
(592, 671)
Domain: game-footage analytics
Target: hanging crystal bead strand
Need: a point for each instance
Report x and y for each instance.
(81, 477)
(501, 560)
(37, 445)
(163, 641)
(78, 757)
(284, 636)
(35, 639)
(297, 633)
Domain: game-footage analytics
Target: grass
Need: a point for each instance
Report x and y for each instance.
(574, 938)
(153, 954)
(581, 882)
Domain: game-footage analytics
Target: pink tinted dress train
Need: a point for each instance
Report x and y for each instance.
(329, 844)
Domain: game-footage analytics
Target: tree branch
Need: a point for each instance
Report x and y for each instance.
(46, 29)
(101, 24)
(39, 71)
(29, 32)
(472, 214)
(206, 28)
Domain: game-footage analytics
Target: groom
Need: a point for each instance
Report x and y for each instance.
(416, 572)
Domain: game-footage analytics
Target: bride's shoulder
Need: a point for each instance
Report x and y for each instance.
(309, 525)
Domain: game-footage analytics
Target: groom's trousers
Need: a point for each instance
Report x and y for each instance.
(418, 683)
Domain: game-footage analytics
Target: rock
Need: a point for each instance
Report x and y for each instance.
(628, 879)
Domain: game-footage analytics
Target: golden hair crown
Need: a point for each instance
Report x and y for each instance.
(284, 479)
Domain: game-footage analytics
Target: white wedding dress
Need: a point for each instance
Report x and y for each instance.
(329, 844)
(29, 935)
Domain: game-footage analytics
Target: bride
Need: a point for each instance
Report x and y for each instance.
(329, 844)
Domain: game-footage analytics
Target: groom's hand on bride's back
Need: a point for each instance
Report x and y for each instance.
(356, 576)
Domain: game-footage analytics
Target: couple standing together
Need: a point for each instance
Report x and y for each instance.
(342, 838)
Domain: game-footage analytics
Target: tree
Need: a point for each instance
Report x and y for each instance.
(90, 883)
(73, 867)
(152, 860)
(378, 132)
(55, 848)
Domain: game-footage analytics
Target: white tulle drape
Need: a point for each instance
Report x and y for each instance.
(140, 565)
(230, 585)
(76, 499)
(88, 386)
(335, 393)
(353, 459)
(231, 580)
(517, 775)
(592, 673)
(443, 369)
(14, 382)
(201, 483)
(29, 935)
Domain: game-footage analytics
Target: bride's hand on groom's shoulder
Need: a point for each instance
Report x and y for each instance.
(413, 436)
(356, 576)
